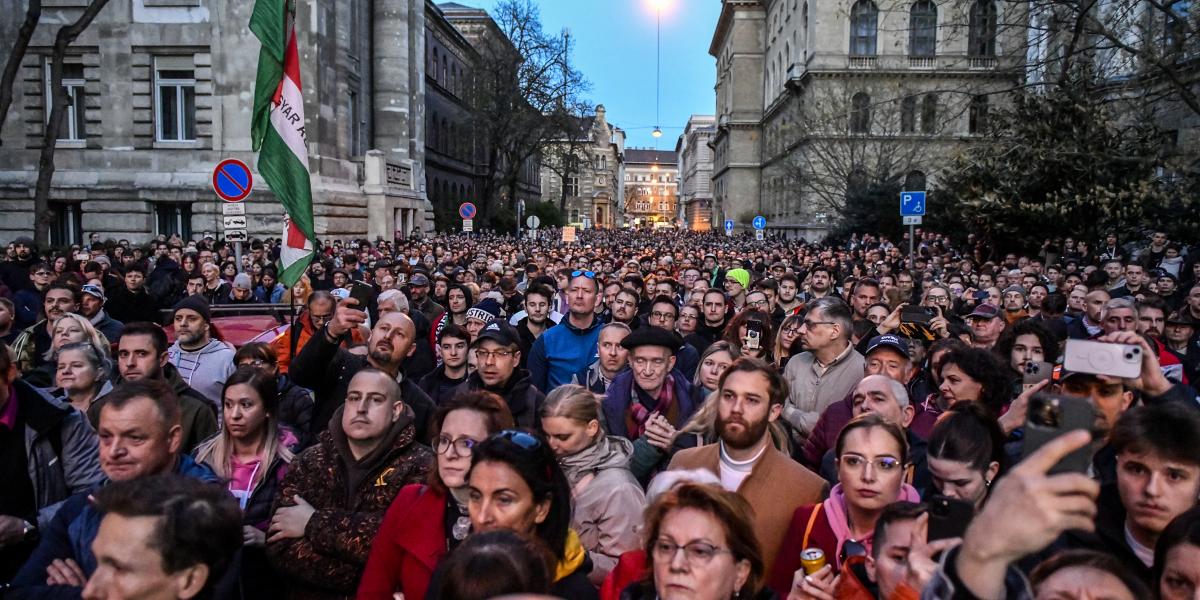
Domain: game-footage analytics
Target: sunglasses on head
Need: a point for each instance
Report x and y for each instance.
(588, 274)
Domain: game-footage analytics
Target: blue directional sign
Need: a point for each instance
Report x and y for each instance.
(728, 224)
(760, 222)
(912, 204)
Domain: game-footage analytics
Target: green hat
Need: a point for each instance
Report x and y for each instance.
(741, 276)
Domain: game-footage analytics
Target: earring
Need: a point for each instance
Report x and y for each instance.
(987, 483)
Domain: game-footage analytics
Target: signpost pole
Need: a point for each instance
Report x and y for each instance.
(237, 255)
(912, 257)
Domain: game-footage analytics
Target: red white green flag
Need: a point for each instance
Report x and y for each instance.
(277, 131)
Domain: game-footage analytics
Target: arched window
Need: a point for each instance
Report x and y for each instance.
(922, 37)
(864, 27)
(978, 115)
(908, 114)
(982, 34)
(433, 131)
(860, 113)
(929, 114)
(914, 181)
(435, 63)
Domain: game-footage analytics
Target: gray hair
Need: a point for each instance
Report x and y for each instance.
(100, 364)
(396, 296)
(1117, 304)
(836, 310)
(900, 392)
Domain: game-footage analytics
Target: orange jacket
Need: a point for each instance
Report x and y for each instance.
(283, 343)
(852, 588)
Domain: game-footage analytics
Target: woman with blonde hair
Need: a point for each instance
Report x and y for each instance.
(607, 497)
(71, 328)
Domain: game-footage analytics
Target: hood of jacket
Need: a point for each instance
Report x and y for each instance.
(609, 452)
(398, 437)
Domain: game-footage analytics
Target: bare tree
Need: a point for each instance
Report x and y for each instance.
(33, 13)
(42, 215)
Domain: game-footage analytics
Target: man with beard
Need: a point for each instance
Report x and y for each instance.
(750, 397)
(15, 273)
(91, 305)
(820, 283)
(788, 301)
(203, 362)
(29, 300)
(326, 368)
(497, 356)
(418, 291)
(714, 311)
(536, 320)
(866, 293)
(32, 345)
(625, 308)
(1088, 326)
(318, 276)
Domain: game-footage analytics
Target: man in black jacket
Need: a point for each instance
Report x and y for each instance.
(324, 367)
(497, 356)
(453, 346)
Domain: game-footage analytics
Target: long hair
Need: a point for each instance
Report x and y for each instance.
(91, 335)
(767, 341)
(782, 354)
(217, 451)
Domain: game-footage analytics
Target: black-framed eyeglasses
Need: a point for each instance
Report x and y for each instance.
(462, 446)
(522, 439)
(588, 274)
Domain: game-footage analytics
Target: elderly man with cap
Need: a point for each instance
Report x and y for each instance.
(203, 362)
(242, 291)
(497, 350)
(418, 292)
(1014, 300)
(92, 306)
(651, 400)
(986, 326)
(737, 281)
(1178, 338)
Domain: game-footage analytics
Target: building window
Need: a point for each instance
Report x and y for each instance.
(922, 39)
(66, 228)
(356, 125)
(978, 115)
(908, 114)
(173, 218)
(572, 185)
(864, 25)
(982, 33)
(174, 99)
(73, 82)
(929, 114)
(860, 113)
(914, 181)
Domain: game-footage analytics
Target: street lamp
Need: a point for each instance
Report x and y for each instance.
(657, 132)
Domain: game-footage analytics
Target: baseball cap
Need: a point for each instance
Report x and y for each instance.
(500, 332)
(984, 311)
(419, 280)
(92, 289)
(887, 341)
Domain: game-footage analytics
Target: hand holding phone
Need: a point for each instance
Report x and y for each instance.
(346, 317)
(1049, 416)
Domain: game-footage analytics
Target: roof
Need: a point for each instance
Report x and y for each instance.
(454, 6)
(650, 156)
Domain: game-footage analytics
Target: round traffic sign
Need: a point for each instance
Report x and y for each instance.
(760, 222)
(466, 210)
(232, 181)
(533, 221)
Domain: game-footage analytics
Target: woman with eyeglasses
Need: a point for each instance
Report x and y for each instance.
(689, 317)
(700, 545)
(425, 522)
(872, 455)
(608, 499)
(785, 342)
(515, 483)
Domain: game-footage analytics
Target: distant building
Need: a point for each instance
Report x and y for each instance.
(813, 97)
(695, 156)
(583, 172)
(161, 91)
(651, 188)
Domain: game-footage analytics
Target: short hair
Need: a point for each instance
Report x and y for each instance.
(157, 336)
(777, 386)
(497, 563)
(872, 420)
(1117, 304)
(821, 269)
(135, 267)
(539, 290)
(713, 290)
(893, 513)
(729, 509)
(393, 387)
(1091, 559)
(198, 522)
(836, 310)
(865, 282)
(968, 433)
(319, 295)
(455, 331)
(1169, 429)
(76, 293)
(632, 293)
(789, 277)
(616, 325)
(665, 300)
(157, 391)
(256, 351)
(1154, 303)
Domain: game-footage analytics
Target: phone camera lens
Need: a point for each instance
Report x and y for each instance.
(1135, 351)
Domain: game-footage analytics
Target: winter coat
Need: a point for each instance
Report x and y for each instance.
(524, 400)
(608, 502)
(410, 545)
(206, 369)
(326, 369)
(127, 307)
(28, 303)
(593, 379)
(439, 387)
(70, 535)
(197, 418)
(328, 560)
(62, 449)
(811, 393)
(110, 327)
(295, 408)
(562, 351)
(301, 331)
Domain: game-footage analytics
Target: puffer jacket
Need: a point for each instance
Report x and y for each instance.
(523, 398)
(62, 449)
(608, 502)
(327, 562)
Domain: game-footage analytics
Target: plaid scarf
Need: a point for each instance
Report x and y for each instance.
(639, 413)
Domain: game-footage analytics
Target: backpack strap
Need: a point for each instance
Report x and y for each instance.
(812, 520)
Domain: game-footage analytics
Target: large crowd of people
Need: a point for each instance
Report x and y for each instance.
(632, 415)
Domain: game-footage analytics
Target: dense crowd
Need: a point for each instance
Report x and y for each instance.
(635, 415)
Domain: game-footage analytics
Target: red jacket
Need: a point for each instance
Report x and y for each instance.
(787, 560)
(410, 544)
(631, 568)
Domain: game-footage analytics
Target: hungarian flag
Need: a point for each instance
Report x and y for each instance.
(278, 131)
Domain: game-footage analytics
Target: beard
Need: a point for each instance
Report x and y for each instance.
(747, 437)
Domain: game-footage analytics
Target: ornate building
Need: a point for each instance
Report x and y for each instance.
(582, 173)
(695, 155)
(651, 188)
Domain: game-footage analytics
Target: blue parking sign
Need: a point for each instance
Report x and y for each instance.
(912, 204)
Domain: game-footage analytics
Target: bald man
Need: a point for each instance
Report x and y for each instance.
(325, 368)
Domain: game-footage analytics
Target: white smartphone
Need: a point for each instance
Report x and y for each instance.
(1100, 358)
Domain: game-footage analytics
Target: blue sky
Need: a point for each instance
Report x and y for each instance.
(613, 45)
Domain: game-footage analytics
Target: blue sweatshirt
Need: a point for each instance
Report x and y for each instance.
(562, 351)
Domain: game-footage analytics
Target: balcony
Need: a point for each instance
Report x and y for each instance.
(863, 62)
(922, 63)
(981, 63)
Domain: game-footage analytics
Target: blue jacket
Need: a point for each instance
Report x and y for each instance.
(70, 535)
(561, 352)
(620, 396)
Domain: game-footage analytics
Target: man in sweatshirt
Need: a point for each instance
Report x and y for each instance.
(569, 347)
(203, 362)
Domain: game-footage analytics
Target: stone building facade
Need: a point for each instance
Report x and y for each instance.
(651, 188)
(815, 97)
(585, 172)
(162, 91)
(695, 156)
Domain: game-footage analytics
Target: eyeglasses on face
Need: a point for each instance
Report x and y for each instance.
(662, 315)
(462, 446)
(484, 355)
(697, 553)
(885, 464)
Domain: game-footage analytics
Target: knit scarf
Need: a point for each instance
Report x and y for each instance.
(639, 411)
